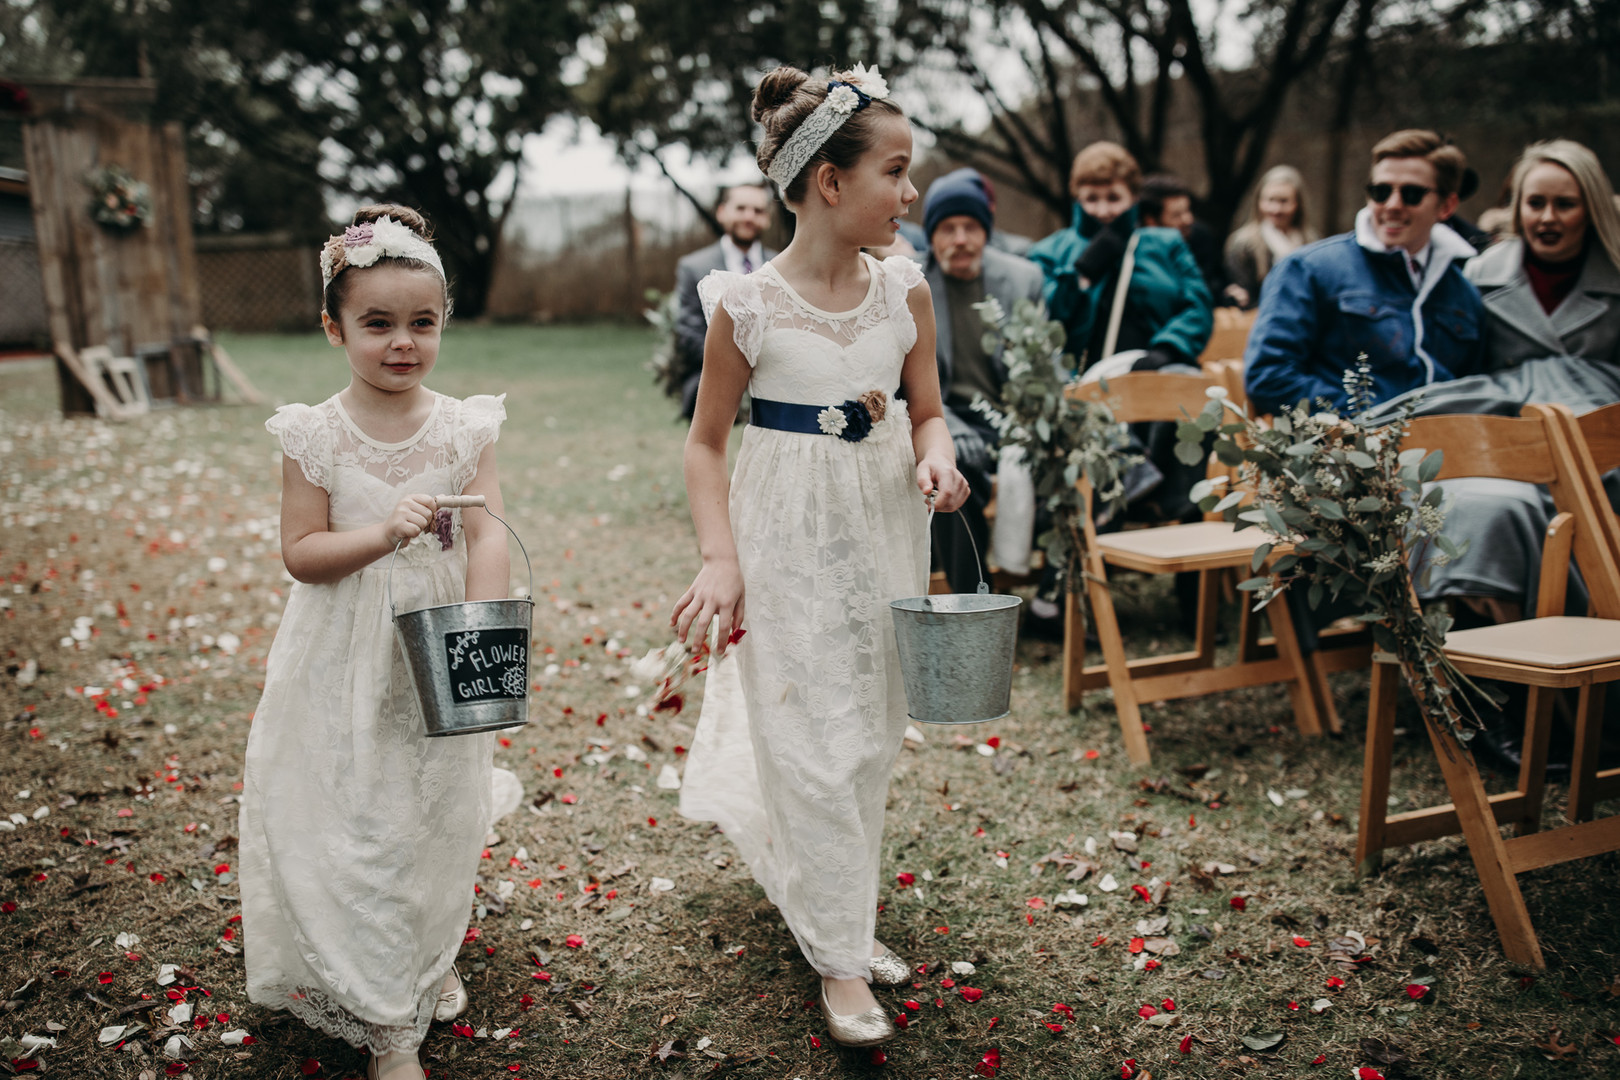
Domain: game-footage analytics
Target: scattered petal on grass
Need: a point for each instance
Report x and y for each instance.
(1185, 1045)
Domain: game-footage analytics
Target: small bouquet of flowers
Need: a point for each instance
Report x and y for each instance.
(118, 200)
(1345, 501)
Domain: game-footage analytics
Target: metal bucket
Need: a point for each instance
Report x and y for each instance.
(956, 651)
(469, 662)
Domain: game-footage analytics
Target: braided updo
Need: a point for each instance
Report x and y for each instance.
(337, 290)
(782, 101)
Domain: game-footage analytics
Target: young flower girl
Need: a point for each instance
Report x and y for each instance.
(360, 836)
(823, 522)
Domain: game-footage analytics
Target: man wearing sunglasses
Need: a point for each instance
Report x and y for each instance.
(1392, 289)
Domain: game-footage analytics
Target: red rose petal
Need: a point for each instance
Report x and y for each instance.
(1137, 944)
(906, 879)
(1147, 1011)
(1168, 1005)
(104, 978)
(1334, 982)
(574, 941)
(1186, 1044)
(1415, 991)
(1239, 903)
(310, 1067)
(1303, 943)
(970, 994)
(1319, 1059)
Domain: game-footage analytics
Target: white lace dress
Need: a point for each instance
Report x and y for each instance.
(802, 721)
(360, 836)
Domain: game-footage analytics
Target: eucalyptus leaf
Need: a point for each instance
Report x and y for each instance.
(1431, 466)
(1361, 460)
(1227, 453)
(1189, 453)
(1261, 554)
(1268, 1040)
(1370, 504)
(1328, 509)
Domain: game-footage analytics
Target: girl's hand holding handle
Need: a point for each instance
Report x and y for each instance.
(717, 591)
(941, 478)
(410, 518)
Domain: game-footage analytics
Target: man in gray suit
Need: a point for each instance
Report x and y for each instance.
(744, 213)
(963, 269)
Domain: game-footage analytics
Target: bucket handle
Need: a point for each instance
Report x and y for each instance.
(451, 502)
(984, 586)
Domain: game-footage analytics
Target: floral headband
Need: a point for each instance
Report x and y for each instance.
(846, 96)
(362, 245)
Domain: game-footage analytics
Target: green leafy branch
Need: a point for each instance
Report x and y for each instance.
(1344, 503)
(1058, 439)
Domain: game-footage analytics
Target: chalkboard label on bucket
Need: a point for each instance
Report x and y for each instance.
(487, 665)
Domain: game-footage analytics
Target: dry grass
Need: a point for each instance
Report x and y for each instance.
(118, 524)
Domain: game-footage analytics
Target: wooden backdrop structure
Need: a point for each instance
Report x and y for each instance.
(118, 294)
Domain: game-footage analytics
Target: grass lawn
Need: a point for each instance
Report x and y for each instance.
(143, 580)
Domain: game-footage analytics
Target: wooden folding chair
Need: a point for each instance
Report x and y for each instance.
(1593, 445)
(1228, 339)
(1211, 548)
(1547, 653)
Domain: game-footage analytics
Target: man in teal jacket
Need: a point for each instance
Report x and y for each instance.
(1168, 310)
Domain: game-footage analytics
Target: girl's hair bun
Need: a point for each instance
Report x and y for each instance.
(775, 90)
(411, 219)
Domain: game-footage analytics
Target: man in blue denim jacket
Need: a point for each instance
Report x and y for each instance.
(1392, 289)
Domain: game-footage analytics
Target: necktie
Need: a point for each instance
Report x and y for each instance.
(748, 264)
(1415, 267)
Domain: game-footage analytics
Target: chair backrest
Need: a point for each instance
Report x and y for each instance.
(1148, 395)
(1587, 447)
(1230, 336)
(1501, 447)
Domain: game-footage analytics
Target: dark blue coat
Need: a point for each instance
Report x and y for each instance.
(1330, 301)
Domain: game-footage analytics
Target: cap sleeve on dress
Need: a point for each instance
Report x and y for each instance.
(740, 295)
(306, 439)
(901, 274)
(478, 426)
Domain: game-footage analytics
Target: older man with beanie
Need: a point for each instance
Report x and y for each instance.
(962, 270)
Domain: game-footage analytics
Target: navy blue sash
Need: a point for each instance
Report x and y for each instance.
(785, 416)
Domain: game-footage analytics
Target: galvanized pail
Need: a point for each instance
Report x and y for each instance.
(956, 651)
(469, 662)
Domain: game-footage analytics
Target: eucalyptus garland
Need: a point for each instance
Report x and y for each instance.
(1058, 439)
(118, 200)
(1345, 501)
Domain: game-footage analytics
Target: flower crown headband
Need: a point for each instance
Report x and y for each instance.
(362, 245)
(846, 96)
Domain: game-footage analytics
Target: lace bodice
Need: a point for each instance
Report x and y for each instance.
(364, 479)
(803, 354)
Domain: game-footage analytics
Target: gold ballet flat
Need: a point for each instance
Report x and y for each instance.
(452, 1003)
(890, 970)
(869, 1028)
(411, 1070)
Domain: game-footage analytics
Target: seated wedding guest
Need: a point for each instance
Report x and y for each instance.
(1552, 334)
(1164, 322)
(1167, 311)
(1393, 289)
(1277, 227)
(1166, 203)
(963, 270)
(744, 212)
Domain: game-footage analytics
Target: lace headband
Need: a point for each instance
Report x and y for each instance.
(362, 245)
(845, 97)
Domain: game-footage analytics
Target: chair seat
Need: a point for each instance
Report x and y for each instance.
(1168, 548)
(1558, 641)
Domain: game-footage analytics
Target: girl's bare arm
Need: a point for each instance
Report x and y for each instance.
(316, 555)
(489, 560)
(930, 438)
(717, 592)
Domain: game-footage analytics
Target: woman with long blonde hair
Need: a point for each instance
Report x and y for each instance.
(1277, 225)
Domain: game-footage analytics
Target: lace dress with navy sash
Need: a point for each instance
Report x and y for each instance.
(803, 719)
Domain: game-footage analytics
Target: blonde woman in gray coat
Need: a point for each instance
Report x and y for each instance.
(1552, 334)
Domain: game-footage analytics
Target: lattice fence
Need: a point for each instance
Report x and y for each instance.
(22, 309)
(258, 283)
